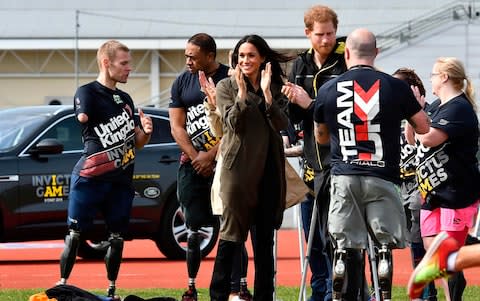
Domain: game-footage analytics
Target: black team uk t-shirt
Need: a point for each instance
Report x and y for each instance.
(363, 109)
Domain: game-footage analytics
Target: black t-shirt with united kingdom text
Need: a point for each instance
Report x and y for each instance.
(186, 94)
(363, 109)
(109, 134)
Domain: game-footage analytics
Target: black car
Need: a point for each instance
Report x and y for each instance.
(39, 146)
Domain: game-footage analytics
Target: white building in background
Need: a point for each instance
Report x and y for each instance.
(47, 47)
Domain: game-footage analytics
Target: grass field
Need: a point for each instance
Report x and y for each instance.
(472, 293)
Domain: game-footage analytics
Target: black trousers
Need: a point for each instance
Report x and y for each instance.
(222, 270)
(263, 228)
(220, 285)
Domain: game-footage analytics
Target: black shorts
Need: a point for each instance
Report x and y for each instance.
(193, 192)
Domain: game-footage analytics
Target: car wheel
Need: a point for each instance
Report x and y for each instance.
(172, 238)
(88, 249)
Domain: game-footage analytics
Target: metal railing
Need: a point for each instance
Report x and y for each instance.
(424, 24)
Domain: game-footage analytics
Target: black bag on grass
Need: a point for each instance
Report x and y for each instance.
(137, 298)
(64, 292)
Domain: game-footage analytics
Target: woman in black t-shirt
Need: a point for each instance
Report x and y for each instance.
(447, 170)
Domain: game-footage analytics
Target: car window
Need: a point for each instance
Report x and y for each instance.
(68, 132)
(16, 127)
(161, 131)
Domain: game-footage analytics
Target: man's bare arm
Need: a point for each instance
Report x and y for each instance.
(427, 135)
(322, 134)
(178, 119)
(420, 122)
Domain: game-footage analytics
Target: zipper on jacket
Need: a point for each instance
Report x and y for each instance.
(315, 91)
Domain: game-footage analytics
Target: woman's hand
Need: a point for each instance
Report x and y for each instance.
(265, 82)
(208, 87)
(242, 86)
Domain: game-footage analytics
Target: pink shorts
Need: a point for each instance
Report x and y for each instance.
(444, 219)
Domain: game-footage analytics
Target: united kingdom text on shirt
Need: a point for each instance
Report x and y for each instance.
(186, 94)
(109, 134)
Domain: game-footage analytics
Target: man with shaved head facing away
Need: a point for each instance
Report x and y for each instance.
(360, 113)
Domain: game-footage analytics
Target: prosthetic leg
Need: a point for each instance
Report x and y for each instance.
(69, 254)
(193, 253)
(193, 263)
(372, 256)
(385, 272)
(339, 273)
(113, 259)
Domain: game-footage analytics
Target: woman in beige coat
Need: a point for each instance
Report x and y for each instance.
(238, 283)
(253, 171)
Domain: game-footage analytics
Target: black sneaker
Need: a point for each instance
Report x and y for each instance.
(190, 294)
(245, 295)
(111, 291)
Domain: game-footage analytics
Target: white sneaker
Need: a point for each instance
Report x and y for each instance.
(234, 297)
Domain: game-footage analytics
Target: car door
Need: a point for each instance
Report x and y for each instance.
(154, 179)
(44, 180)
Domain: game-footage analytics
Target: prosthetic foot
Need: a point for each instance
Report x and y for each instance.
(385, 272)
(339, 273)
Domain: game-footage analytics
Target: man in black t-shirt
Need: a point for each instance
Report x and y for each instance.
(102, 178)
(360, 113)
(191, 130)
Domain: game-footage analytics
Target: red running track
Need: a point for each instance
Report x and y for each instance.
(35, 265)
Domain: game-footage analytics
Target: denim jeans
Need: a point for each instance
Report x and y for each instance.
(320, 261)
